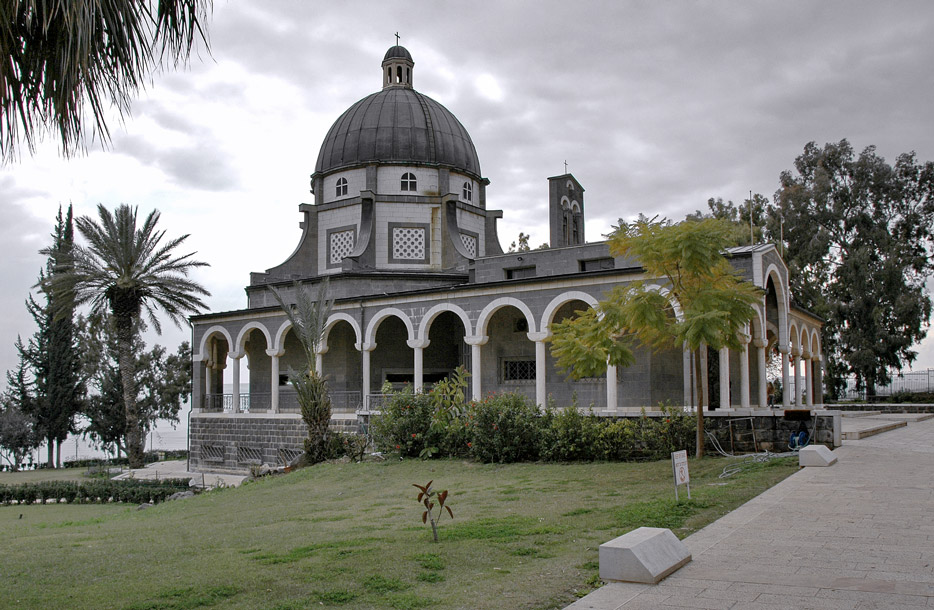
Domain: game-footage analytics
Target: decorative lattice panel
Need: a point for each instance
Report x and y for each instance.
(408, 243)
(212, 453)
(249, 455)
(286, 456)
(518, 370)
(341, 244)
(470, 243)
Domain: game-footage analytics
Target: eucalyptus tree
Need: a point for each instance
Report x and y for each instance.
(128, 270)
(691, 298)
(859, 242)
(60, 59)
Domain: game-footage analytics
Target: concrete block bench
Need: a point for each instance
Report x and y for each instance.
(645, 555)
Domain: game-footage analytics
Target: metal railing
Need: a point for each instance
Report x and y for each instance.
(907, 381)
(260, 402)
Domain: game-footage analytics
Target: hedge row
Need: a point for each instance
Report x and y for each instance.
(509, 428)
(135, 491)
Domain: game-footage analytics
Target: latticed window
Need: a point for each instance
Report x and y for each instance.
(408, 182)
(249, 455)
(468, 191)
(212, 453)
(341, 187)
(470, 244)
(518, 370)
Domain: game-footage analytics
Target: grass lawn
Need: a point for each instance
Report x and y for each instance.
(351, 536)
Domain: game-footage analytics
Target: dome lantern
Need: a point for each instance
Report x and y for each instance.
(397, 68)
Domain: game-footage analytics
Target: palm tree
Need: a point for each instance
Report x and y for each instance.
(309, 317)
(58, 57)
(126, 271)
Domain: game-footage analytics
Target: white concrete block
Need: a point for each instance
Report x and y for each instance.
(646, 555)
(816, 455)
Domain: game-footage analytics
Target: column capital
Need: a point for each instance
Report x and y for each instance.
(744, 338)
(796, 352)
(476, 339)
(815, 356)
(275, 353)
(364, 347)
(236, 355)
(539, 337)
(322, 349)
(806, 354)
(417, 343)
(784, 349)
(760, 343)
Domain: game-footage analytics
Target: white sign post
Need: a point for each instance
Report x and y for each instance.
(679, 465)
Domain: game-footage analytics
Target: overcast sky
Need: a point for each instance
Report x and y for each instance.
(655, 106)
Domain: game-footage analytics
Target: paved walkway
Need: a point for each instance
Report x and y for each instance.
(178, 469)
(859, 534)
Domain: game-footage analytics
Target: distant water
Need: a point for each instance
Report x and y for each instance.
(162, 438)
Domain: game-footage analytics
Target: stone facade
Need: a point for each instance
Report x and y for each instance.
(401, 229)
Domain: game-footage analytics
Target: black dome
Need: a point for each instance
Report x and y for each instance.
(398, 125)
(398, 51)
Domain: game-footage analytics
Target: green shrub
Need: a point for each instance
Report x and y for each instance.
(568, 435)
(136, 491)
(404, 424)
(504, 428)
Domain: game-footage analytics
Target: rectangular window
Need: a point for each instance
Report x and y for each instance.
(515, 369)
(597, 264)
(518, 273)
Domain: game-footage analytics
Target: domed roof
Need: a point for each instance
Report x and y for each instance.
(398, 125)
(397, 52)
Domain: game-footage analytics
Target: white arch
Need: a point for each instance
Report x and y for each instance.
(662, 290)
(334, 319)
(381, 315)
(207, 335)
(758, 325)
(575, 207)
(781, 297)
(241, 336)
(794, 335)
(815, 342)
(437, 310)
(562, 299)
(565, 202)
(498, 304)
(804, 339)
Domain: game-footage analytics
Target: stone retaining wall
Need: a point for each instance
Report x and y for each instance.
(885, 407)
(234, 443)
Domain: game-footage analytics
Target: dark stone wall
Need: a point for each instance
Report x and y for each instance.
(231, 443)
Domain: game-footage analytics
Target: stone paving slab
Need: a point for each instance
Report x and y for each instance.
(856, 535)
(855, 429)
(907, 417)
(859, 413)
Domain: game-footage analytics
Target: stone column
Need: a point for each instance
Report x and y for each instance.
(476, 342)
(365, 350)
(541, 398)
(818, 379)
(725, 378)
(235, 378)
(808, 378)
(611, 399)
(796, 354)
(319, 359)
(744, 373)
(419, 348)
(763, 381)
(786, 391)
(274, 381)
(197, 385)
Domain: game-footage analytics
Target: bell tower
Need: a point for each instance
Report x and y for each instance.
(565, 211)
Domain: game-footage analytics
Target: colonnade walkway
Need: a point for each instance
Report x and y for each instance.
(858, 534)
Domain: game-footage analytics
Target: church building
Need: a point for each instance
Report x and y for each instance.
(401, 226)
